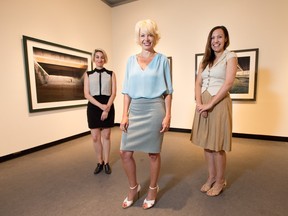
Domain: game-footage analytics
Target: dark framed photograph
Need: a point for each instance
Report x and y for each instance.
(245, 84)
(55, 74)
(170, 63)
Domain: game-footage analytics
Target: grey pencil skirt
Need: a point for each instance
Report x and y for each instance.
(145, 122)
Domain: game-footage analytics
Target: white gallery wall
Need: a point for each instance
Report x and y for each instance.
(184, 25)
(80, 24)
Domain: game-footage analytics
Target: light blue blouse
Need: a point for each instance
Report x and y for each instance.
(152, 82)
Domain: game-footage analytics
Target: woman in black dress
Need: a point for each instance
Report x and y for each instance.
(100, 91)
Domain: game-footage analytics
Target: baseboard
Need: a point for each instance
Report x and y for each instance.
(181, 130)
(241, 135)
(41, 147)
(261, 137)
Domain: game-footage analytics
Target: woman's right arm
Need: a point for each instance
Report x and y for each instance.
(198, 87)
(125, 122)
(87, 94)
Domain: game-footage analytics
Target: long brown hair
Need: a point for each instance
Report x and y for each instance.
(209, 55)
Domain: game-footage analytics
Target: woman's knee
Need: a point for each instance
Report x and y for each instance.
(96, 135)
(106, 133)
(154, 156)
(125, 155)
(96, 138)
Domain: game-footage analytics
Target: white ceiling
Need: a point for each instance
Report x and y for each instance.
(113, 3)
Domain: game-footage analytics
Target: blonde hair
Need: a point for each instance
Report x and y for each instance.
(103, 52)
(150, 27)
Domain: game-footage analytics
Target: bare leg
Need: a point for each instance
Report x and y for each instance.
(209, 157)
(129, 166)
(105, 133)
(96, 137)
(155, 165)
(220, 162)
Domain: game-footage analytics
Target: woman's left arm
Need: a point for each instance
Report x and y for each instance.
(167, 118)
(167, 98)
(111, 98)
(113, 93)
(231, 70)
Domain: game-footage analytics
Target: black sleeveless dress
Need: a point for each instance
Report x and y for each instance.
(100, 84)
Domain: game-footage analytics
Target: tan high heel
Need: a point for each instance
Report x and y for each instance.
(216, 189)
(127, 203)
(147, 204)
(206, 187)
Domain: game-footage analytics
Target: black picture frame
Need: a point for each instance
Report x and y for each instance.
(245, 84)
(54, 74)
(170, 64)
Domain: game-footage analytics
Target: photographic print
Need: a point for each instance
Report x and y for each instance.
(244, 86)
(55, 74)
(170, 63)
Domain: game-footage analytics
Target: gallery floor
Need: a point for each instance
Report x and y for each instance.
(59, 180)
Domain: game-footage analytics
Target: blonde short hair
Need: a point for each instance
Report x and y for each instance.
(150, 27)
(103, 52)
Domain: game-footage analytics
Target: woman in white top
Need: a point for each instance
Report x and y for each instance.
(100, 91)
(147, 110)
(212, 125)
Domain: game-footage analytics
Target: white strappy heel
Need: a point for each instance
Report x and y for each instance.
(147, 204)
(127, 203)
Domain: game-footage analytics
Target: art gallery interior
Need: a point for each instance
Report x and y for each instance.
(32, 142)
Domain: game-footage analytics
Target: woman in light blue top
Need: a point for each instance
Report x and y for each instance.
(212, 125)
(146, 111)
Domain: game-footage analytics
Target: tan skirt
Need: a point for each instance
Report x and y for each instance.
(215, 131)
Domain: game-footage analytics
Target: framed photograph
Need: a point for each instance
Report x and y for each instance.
(170, 63)
(245, 84)
(55, 74)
